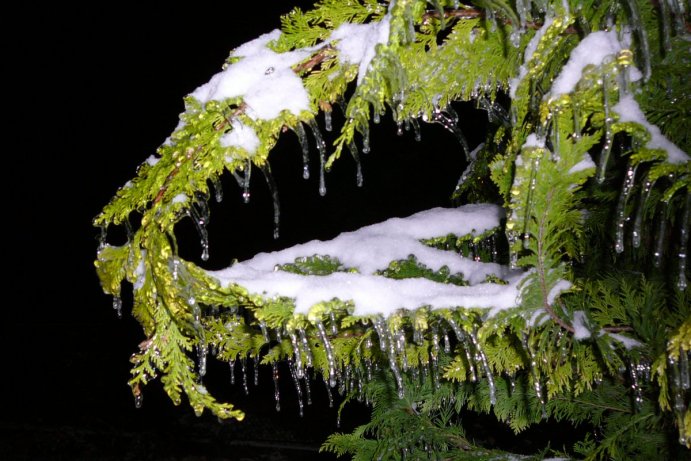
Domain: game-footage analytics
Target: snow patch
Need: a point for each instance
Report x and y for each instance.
(581, 330)
(242, 136)
(356, 43)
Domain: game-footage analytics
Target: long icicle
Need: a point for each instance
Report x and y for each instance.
(640, 213)
(304, 145)
(321, 147)
(466, 347)
(660, 238)
(330, 358)
(352, 147)
(485, 366)
(621, 215)
(277, 389)
(607, 147)
(682, 283)
(266, 169)
(639, 29)
(387, 344)
(537, 385)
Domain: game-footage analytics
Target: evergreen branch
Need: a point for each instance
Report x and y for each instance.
(472, 13)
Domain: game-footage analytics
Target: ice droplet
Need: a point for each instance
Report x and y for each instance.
(117, 306)
(358, 166)
(218, 188)
(231, 363)
(138, 398)
(365, 140)
(682, 283)
(327, 120)
(298, 388)
(266, 169)
(243, 365)
(277, 389)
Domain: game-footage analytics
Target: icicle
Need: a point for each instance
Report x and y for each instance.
(679, 16)
(434, 359)
(199, 213)
(399, 128)
(387, 344)
(376, 118)
(298, 388)
(265, 332)
(529, 200)
(660, 242)
(231, 363)
(536, 377)
(243, 364)
(466, 347)
(218, 188)
(277, 390)
(266, 169)
(304, 145)
(358, 166)
(308, 390)
(117, 306)
(607, 147)
(244, 181)
(138, 398)
(485, 367)
(638, 220)
(327, 120)
(102, 236)
(333, 323)
(637, 26)
(202, 351)
(400, 343)
(306, 348)
(329, 394)
(685, 381)
(682, 283)
(256, 370)
(556, 136)
(621, 215)
(635, 386)
(297, 355)
(576, 108)
(365, 140)
(447, 343)
(416, 129)
(321, 147)
(321, 332)
(449, 119)
(678, 394)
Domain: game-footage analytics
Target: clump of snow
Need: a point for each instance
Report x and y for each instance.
(357, 43)
(584, 164)
(629, 111)
(558, 288)
(371, 249)
(152, 160)
(262, 77)
(593, 49)
(628, 343)
(242, 136)
(534, 140)
(180, 198)
(528, 55)
(580, 329)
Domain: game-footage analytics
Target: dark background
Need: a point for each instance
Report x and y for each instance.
(98, 89)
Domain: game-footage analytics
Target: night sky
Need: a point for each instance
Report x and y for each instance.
(102, 88)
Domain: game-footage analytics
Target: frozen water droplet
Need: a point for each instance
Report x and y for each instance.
(304, 145)
(231, 363)
(358, 166)
(327, 120)
(365, 140)
(243, 365)
(277, 389)
(376, 118)
(682, 282)
(640, 212)
(218, 188)
(138, 398)
(330, 358)
(117, 306)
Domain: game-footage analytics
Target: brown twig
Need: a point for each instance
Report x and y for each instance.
(314, 60)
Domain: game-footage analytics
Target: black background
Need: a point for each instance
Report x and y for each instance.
(97, 89)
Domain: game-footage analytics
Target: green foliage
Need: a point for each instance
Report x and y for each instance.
(597, 202)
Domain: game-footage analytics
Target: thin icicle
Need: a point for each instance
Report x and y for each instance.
(388, 344)
(321, 147)
(202, 351)
(329, 394)
(365, 140)
(117, 306)
(297, 355)
(682, 283)
(636, 390)
(607, 147)
(639, 29)
(466, 347)
(298, 388)
(660, 240)
(535, 164)
(416, 129)
(537, 385)
(199, 213)
(485, 366)
(327, 120)
(358, 166)
(640, 212)
(277, 390)
(265, 332)
(304, 145)
(306, 348)
(266, 169)
(218, 188)
(330, 358)
(684, 369)
(256, 370)
(243, 366)
(449, 119)
(679, 15)
(621, 215)
(231, 363)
